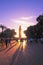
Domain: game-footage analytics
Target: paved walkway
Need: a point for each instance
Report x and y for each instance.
(22, 54)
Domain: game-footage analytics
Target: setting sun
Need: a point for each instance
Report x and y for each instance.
(22, 31)
(24, 22)
(24, 26)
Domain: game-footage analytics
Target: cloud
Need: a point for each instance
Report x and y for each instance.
(23, 20)
(27, 18)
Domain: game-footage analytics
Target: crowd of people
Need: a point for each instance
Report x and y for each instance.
(6, 41)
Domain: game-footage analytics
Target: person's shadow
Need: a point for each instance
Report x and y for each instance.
(16, 54)
(10, 48)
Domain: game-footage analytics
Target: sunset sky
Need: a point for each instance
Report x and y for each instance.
(20, 12)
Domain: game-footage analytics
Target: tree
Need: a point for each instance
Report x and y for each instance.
(35, 31)
(40, 18)
(40, 25)
(2, 27)
(8, 33)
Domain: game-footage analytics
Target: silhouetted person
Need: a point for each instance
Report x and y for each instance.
(9, 40)
(21, 40)
(2, 41)
(6, 42)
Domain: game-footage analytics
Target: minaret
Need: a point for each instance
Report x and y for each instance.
(20, 32)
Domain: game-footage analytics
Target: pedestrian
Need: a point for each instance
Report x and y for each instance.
(6, 42)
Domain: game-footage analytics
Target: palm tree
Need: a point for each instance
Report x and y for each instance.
(2, 27)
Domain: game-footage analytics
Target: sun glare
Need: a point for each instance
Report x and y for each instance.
(24, 22)
(24, 26)
(22, 32)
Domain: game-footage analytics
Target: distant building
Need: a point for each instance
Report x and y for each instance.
(20, 32)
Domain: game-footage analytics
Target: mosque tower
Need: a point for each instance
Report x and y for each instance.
(20, 32)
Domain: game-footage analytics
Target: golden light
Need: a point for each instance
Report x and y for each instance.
(24, 26)
(24, 45)
(19, 41)
(24, 22)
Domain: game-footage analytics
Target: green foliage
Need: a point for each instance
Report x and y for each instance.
(9, 33)
(35, 31)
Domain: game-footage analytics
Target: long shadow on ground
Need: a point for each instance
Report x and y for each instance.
(15, 56)
(10, 48)
(2, 49)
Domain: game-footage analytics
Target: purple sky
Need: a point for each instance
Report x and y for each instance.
(25, 11)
